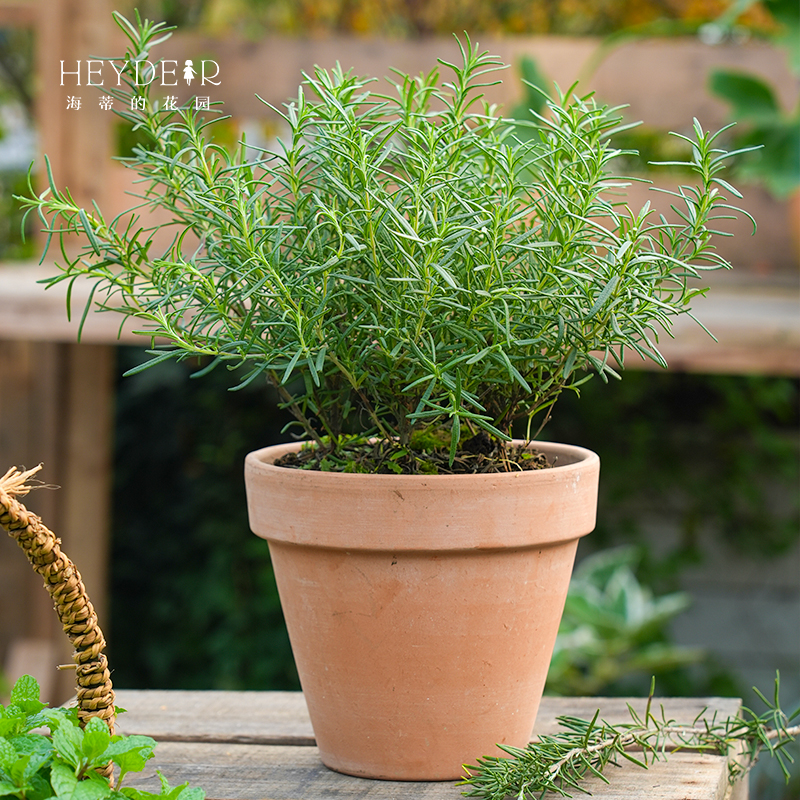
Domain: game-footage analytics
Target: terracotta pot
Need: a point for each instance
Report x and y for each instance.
(422, 610)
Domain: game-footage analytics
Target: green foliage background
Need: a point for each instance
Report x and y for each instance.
(710, 451)
(194, 603)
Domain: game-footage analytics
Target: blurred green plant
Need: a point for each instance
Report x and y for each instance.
(756, 108)
(770, 132)
(179, 523)
(537, 89)
(614, 627)
(783, 28)
(16, 68)
(16, 90)
(726, 465)
(70, 760)
(13, 245)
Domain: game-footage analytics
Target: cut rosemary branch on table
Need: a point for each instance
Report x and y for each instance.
(559, 763)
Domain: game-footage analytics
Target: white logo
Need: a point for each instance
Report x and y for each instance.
(189, 71)
(144, 72)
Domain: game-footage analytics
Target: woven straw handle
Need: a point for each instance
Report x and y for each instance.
(63, 581)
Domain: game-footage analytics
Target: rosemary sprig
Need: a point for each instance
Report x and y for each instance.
(559, 763)
(402, 259)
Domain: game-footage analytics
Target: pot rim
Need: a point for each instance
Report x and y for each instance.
(435, 512)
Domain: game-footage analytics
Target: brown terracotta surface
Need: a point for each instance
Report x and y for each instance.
(422, 610)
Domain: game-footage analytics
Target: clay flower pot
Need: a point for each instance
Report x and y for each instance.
(422, 610)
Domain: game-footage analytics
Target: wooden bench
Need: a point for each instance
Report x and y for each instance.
(260, 746)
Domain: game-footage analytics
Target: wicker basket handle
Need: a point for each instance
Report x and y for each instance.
(63, 581)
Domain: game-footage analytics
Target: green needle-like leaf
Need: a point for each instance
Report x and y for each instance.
(396, 243)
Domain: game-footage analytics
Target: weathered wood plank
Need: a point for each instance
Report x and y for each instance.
(29, 312)
(260, 746)
(77, 141)
(244, 717)
(282, 717)
(269, 772)
(615, 709)
(31, 387)
(87, 406)
(265, 772)
(756, 327)
(19, 13)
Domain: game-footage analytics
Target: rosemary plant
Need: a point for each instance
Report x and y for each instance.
(559, 763)
(403, 262)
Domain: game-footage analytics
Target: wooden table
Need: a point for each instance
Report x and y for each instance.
(260, 746)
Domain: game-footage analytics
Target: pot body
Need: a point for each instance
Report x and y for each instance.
(422, 610)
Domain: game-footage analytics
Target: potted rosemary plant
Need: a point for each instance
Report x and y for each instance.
(418, 285)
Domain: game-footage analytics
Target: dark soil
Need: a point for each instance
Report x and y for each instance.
(478, 455)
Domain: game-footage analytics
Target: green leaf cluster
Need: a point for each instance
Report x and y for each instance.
(613, 627)
(753, 103)
(403, 259)
(65, 763)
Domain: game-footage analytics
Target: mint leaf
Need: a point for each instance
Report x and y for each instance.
(40, 786)
(130, 753)
(136, 794)
(34, 754)
(12, 721)
(182, 792)
(34, 766)
(18, 771)
(29, 763)
(190, 793)
(8, 754)
(33, 743)
(93, 787)
(96, 738)
(25, 689)
(62, 779)
(9, 789)
(68, 742)
(25, 696)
